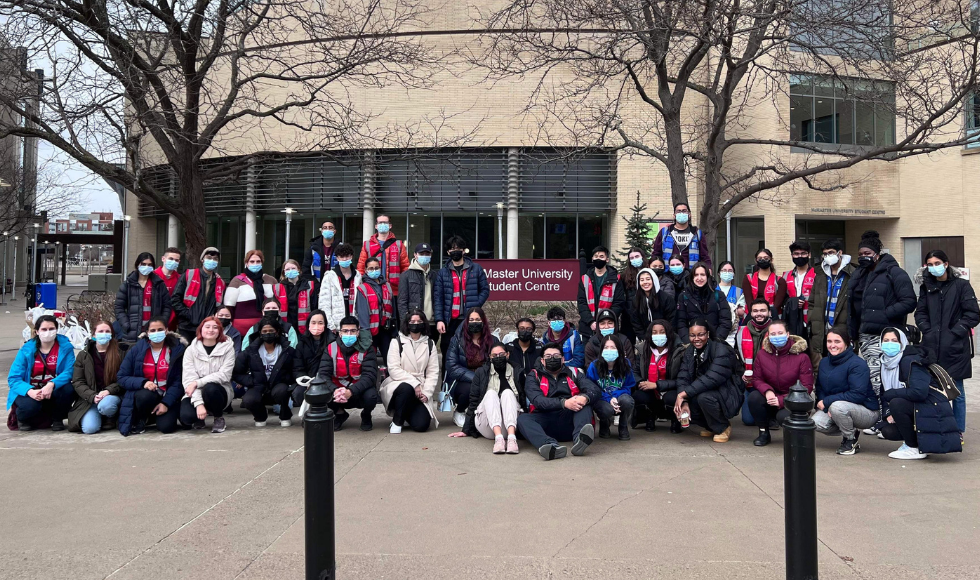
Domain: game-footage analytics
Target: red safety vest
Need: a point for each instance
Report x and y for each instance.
(808, 279)
(605, 294)
(302, 304)
(459, 292)
(381, 311)
(148, 301)
(44, 367)
(770, 290)
(194, 288)
(657, 368)
(545, 385)
(392, 266)
(156, 371)
(345, 371)
(747, 349)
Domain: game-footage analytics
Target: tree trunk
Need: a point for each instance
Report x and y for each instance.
(675, 158)
(192, 216)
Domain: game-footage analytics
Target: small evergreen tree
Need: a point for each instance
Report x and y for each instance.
(637, 232)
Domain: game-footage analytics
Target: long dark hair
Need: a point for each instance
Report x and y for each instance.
(621, 366)
(37, 325)
(113, 356)
(476, 355)
(772, 265)
(630, 272)
(415, 312)
(647, 349)
(654, 300)
(709, 284)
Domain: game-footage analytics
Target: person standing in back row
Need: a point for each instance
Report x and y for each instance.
(167, 272)
(682, 240)
(829, 301)
(416, 288)
(320, 257)
(599, 289)
(460, 285)
(764, 283)
(799, 286)
(199, 294)
(390, 251)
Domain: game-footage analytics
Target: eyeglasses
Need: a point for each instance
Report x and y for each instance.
(552, 357)
(349, 331)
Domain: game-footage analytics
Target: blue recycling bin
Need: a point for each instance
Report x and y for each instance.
(46, 293)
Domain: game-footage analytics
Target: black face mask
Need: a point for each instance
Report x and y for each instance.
(866, 261)
(658, 271)
(456, 255)
(552, 364)
(499, 362)
(475, 327)
(763, 264)
(801, 261)
(225, 322)
(270, 338)
(599, 264)
(416, 327)
(525, 335)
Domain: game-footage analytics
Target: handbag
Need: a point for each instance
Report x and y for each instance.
(445, 399)
(946, 385)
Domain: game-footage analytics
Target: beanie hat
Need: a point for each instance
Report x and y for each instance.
(870, 240)
(209, 250)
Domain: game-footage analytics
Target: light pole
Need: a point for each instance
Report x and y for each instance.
(500, 228)
(57, 250)
(13, 288)
(289, 219)
(3, 291)
(37, 226)
(125, 259)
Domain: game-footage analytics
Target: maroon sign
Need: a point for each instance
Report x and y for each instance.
(540, 280)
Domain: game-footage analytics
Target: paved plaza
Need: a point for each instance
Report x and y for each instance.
(197, 505)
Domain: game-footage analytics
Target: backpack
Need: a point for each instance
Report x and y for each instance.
(401, 347)
(946, 385)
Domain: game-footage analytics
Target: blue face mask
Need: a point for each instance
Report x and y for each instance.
(210, 265)
(606, 331)
(255, 268)
(681, 218)
(145, 270)
(727, 276)
(423, 260)
(659, 340)
(171, 265)
(344, 263)
(779, 341)
(292, 274)
(636, 262)
(157, 336)
(937, 271)
(677, 270)
(610, 355)
(891, 348)
(374, 274)
(328, 234)
(103, 338)
(384, 228)
(348, 339)
(557, 325)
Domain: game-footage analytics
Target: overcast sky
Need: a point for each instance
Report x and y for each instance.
(63, 174)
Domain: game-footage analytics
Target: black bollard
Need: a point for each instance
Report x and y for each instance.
(800, 482)
(321, 563)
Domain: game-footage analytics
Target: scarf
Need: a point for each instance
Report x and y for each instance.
(890, 364)
(496, 382)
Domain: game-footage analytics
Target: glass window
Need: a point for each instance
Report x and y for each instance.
(862, 113)
(591, 233)
(561, 237)
(486, 233)
(973, 116)
(353, 232)
(459, 225)
(800, 118)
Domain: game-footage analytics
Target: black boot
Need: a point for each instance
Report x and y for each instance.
(338, 421)
(366, 423)
(652, 425)
(624, 430)
(603, 429)
(763, 439)
(675, 426)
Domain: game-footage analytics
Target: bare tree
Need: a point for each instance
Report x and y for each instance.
(208, 87)
(46, 190)
(686, 82)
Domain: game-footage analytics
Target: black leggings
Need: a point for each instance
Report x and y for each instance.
(144, 401)
(461, 395)
(760, 408)
(215, 401)
(405, 406)
(652, 405)
(706, 410)
(903, 429)
(256, 399)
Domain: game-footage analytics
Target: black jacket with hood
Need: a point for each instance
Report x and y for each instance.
(946, 314)
(881, 296)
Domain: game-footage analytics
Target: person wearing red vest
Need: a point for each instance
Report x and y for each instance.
(151, 375)
(598, 289)
(198, 294)
(167, 272)
(748, 341)
(764, 283)
(658, 360)
(561, 407)
(799, 286)
(296, 294)
(375, 305)
(350, 366)
(388, 249)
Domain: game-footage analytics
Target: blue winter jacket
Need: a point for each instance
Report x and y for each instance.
(611, 388)
(457, 369)
(845, 377)
(572, 347)
(477, 290)
(131, 378)
(19, 377)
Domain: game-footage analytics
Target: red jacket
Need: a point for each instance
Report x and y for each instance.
(778, 370)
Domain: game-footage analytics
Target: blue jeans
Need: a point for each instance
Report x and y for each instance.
(959, 407)
(92, 419)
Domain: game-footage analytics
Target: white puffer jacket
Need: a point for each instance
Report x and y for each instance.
(209, 368)
(331, 299)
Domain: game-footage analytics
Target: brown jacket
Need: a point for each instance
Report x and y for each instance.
(83, 381)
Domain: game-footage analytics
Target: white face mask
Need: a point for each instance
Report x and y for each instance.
(831, 260)
(47, 336)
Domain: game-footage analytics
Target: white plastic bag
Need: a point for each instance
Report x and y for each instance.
(510, 337)
(496, 333)
(76, 333)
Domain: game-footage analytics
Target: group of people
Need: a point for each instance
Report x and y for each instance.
(663, 340)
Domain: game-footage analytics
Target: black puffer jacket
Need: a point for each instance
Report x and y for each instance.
(711, 305)
(881, 296)
(641, 318)
(129, 304)
(309, 352)
(945, 314)
(524, 361)
(712, 370)
(250, 370)
(641, 370)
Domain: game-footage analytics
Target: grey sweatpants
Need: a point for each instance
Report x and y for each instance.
(845, 418)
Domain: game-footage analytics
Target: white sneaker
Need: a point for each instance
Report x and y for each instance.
(394, 428)
(459, 418)
(616, 421)
(870, 431)
(285, 423)
(906, 452)
(260, 423)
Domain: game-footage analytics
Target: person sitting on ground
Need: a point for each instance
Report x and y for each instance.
(494, 403)
(95, 384)
(265, 369)
(40, 389)
(607, 326)
(916, 413)
(141, 296)
(309, 353)
(524, 353)
(707, 393)
(613, 372)
(779, 364)
(270, 307)
(408, 394)
(649, 303)
(350, 364)
(657, 365)
(749, 342)
(208, 365)
(468, 351)
(702, 300)
(561, 332)
(152, 376)
(561, 400)
(846, 403)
